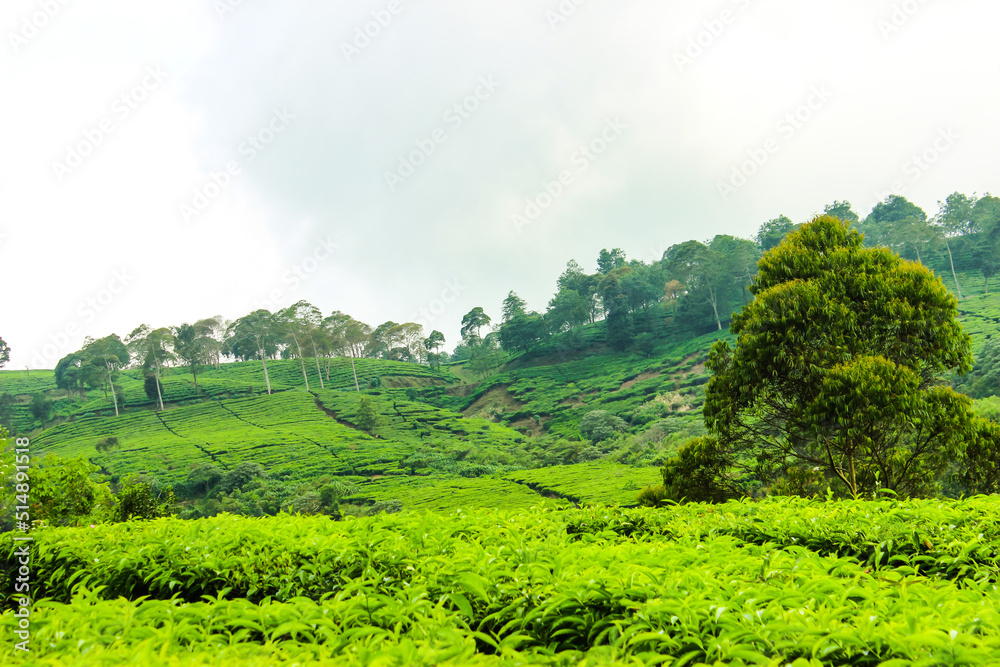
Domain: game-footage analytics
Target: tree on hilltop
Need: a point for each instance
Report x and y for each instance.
(254, 336)
(151, 347)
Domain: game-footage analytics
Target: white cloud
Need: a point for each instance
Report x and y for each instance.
(324, 176)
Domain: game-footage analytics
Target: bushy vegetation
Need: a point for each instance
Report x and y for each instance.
(774, 583)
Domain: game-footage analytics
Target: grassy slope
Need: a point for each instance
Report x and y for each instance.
(306, 435)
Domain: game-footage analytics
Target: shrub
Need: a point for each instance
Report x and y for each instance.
(387, 506)
(698, 473)
(652, 496)
(107, 444)
(140, 500)
(239, 476)
(599, 425)
(65, 493)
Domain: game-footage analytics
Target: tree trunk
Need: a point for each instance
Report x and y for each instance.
(114, 397)
(159, 394)
(715, 309)
(355, 371)
(267, 380)
(953, 274)
(302, 361)
(194, 372)
(319, 373)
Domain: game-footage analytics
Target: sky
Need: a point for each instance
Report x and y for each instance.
(408, 160)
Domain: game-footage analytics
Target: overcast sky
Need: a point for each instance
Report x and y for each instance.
(162, 162)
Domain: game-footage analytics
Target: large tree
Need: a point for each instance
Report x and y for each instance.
(955, 218)
(299, 322)
(255, 336)
(4, 353)
(472, 324)
(986, 247)
(152, 349)
(74, 374)
(836, 368)
(431, 345)
(842, 210)
(195, 344)
(773, 231)
(111, 355)
(574, 279)
(349, 336)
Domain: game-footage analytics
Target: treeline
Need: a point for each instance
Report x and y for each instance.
(695, 287)
(300, 332)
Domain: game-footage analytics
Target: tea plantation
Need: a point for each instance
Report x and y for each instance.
(778, 582)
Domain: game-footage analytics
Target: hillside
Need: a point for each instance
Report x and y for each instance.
(445, 440)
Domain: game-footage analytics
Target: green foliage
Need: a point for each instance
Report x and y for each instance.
(7, 414)
(107, 444)
(700, 473)
(652, 496)
(335, 491)
(598, 482)
(4, 353)
(984, 378)
(367, 419)
(981, 472)
(522, 332)
(64, 492)
(40, 408)
(151, 387)
(772, 232)
(139, 500)
(240, 476)
(835, 365)
(772, 583)
(599, 425)
(204, 478)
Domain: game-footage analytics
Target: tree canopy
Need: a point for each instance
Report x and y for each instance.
(836, 368)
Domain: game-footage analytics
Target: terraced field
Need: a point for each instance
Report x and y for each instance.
(281, 432)
(23, 383)
(590, 483)
(552, 399)
(448, 494)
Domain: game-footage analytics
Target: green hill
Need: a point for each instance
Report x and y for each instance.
(443, 442)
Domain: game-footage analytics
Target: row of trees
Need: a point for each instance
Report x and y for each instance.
(297, 332)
